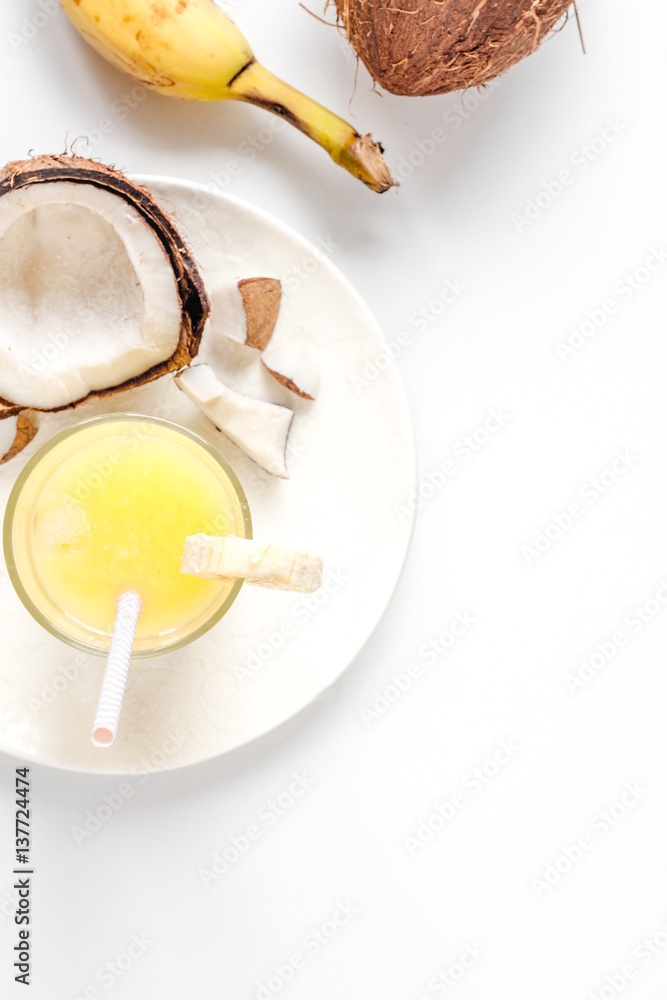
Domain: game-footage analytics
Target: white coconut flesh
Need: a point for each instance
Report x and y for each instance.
(88, 296)
(259, 428)
(228, 315)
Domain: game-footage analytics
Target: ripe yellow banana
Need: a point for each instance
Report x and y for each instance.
(191, 49)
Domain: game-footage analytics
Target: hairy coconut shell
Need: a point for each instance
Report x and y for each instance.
(25, 432)
(195, 305)
(422, 47)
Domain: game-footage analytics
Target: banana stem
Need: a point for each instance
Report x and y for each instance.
(358, 154)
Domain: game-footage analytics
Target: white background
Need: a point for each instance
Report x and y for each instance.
(586, 763)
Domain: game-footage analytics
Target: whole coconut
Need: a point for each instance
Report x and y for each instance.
(422, 47)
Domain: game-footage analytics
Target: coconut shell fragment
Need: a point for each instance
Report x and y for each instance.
(304, 379)
(292, 361)
(422, 47)
(25, 432)
(261, 302)
(187, 288)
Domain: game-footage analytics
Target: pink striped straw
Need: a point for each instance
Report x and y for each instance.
(115, 672)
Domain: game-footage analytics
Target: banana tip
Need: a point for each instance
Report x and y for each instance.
(374, 169)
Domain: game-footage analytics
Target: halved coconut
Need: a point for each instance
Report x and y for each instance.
(97, 290)
(15, 433)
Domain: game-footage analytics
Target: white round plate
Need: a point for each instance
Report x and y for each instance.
(352, 466)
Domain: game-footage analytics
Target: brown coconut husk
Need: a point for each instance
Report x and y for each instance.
(422, 47)
(25, 432)
(261, 302)
(195, 305)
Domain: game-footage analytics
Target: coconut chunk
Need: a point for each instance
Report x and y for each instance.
(7, 434)
(227, 311)
(259, 428)
(15, 433)
(98, 291)
(246, 311)
(294, 366)
(261, 302)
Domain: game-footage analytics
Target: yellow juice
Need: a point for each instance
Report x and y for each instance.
(106, 510)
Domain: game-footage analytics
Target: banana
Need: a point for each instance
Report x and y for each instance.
(191, 49)
(225, 557)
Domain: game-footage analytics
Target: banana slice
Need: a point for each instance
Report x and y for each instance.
(280, 567)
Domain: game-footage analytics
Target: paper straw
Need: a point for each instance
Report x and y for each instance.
(115, 672)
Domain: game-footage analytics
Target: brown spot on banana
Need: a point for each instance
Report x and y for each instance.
(279, 109)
